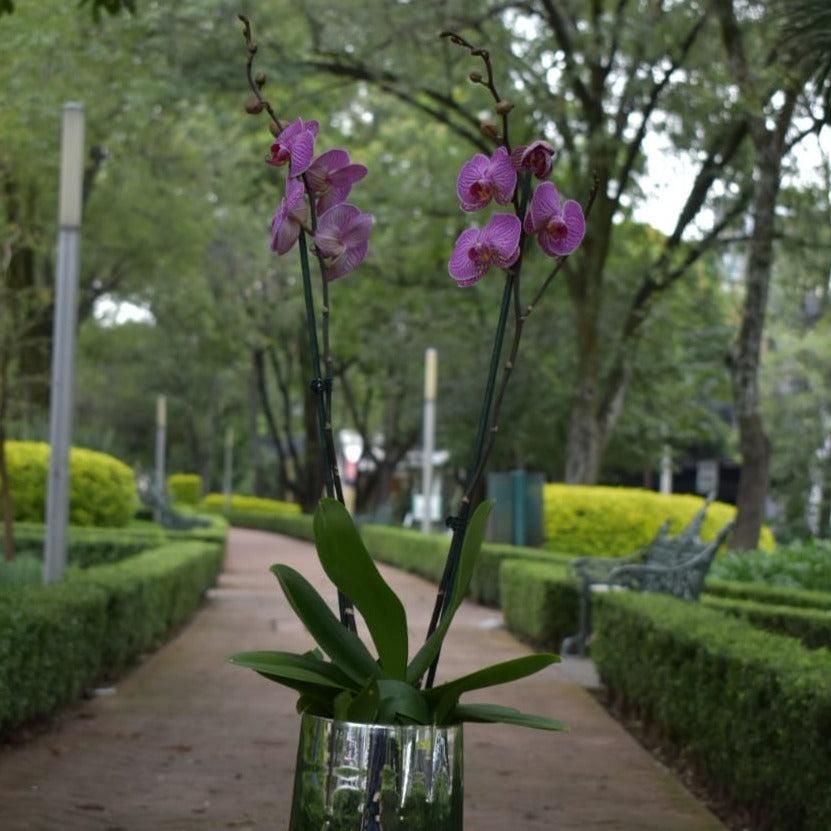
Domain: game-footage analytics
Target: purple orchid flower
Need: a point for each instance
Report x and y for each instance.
(561, 227)
(342, 239)
(538, 157)
(331, 176)
(295, 145)
(290, 218)
(482, 179)
(477, 249)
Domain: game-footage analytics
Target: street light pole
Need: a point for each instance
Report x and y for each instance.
(430, 376)
(63, 340)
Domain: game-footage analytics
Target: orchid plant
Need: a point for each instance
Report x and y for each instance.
(341, 678)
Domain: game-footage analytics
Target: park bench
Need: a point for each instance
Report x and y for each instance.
(670, 565)
(163, 513)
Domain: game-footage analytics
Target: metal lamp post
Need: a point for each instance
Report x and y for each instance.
(430, 376)
(63, 340)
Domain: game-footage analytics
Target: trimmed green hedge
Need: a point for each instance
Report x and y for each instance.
(763, 593)
(810, 626)
(184, 488)
(102, 490)
(89, 546)
(614, 522)
(407, 549)
(58, 639)
(540, 602)
(751, 709)
(299, 525)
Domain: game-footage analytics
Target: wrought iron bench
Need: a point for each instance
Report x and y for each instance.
(671, 565)
(164, 514)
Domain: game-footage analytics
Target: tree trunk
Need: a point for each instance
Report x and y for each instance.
(753, 482)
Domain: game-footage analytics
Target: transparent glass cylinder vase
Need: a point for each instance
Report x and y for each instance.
(371, 777)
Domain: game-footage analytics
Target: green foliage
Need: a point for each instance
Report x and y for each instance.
(23, 570)
(749, 708)
(540, 602)
(102, 490)
(60, 638)
(90, 546)
(293, 525)
(249, 505)
(799, 565)
(810, 626)
(615, 522)
(352, 685)
(763, 593)
(184, 488)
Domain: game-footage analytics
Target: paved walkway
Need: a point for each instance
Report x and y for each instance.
(187, 741)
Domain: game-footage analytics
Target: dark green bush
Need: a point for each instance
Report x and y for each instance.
(800, 565)
(811, 626)
(750, 709)
(102, 490)
(540, 601)
(58, 639)
(484, 587)
(763, 593)
(90, 546)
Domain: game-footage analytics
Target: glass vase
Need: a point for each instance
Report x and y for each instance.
(374, 777)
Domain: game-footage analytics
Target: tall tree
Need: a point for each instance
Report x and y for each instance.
(767, 101)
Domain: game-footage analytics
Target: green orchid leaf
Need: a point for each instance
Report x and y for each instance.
(349, 566)
(343, 646)
(401, 701)
(471, 546)
(290, 666)
(446, 696)
(363, 707)
(496, 714)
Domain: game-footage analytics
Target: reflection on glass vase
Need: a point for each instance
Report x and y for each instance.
(368, 777)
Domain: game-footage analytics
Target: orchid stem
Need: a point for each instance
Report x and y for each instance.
(477, 467)
(321, 387)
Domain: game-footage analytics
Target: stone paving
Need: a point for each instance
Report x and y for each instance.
(187, 741)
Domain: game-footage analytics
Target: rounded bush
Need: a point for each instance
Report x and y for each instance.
(102, 490)
(614, 522)
(184, 488)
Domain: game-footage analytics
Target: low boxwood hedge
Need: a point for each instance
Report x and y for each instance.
(60, 638)
(540, 601)
(89, 546)
(215, 502)
(407, 549)
(764, 593)
(810, 626)
(292, 525)
(752, 710)
(485, 585)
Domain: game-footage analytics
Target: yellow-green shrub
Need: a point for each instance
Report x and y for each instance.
(102, 490)
(611, 521)
(248, 504)
(184, 488)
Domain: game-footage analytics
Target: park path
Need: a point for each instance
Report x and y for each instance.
(187, 741)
